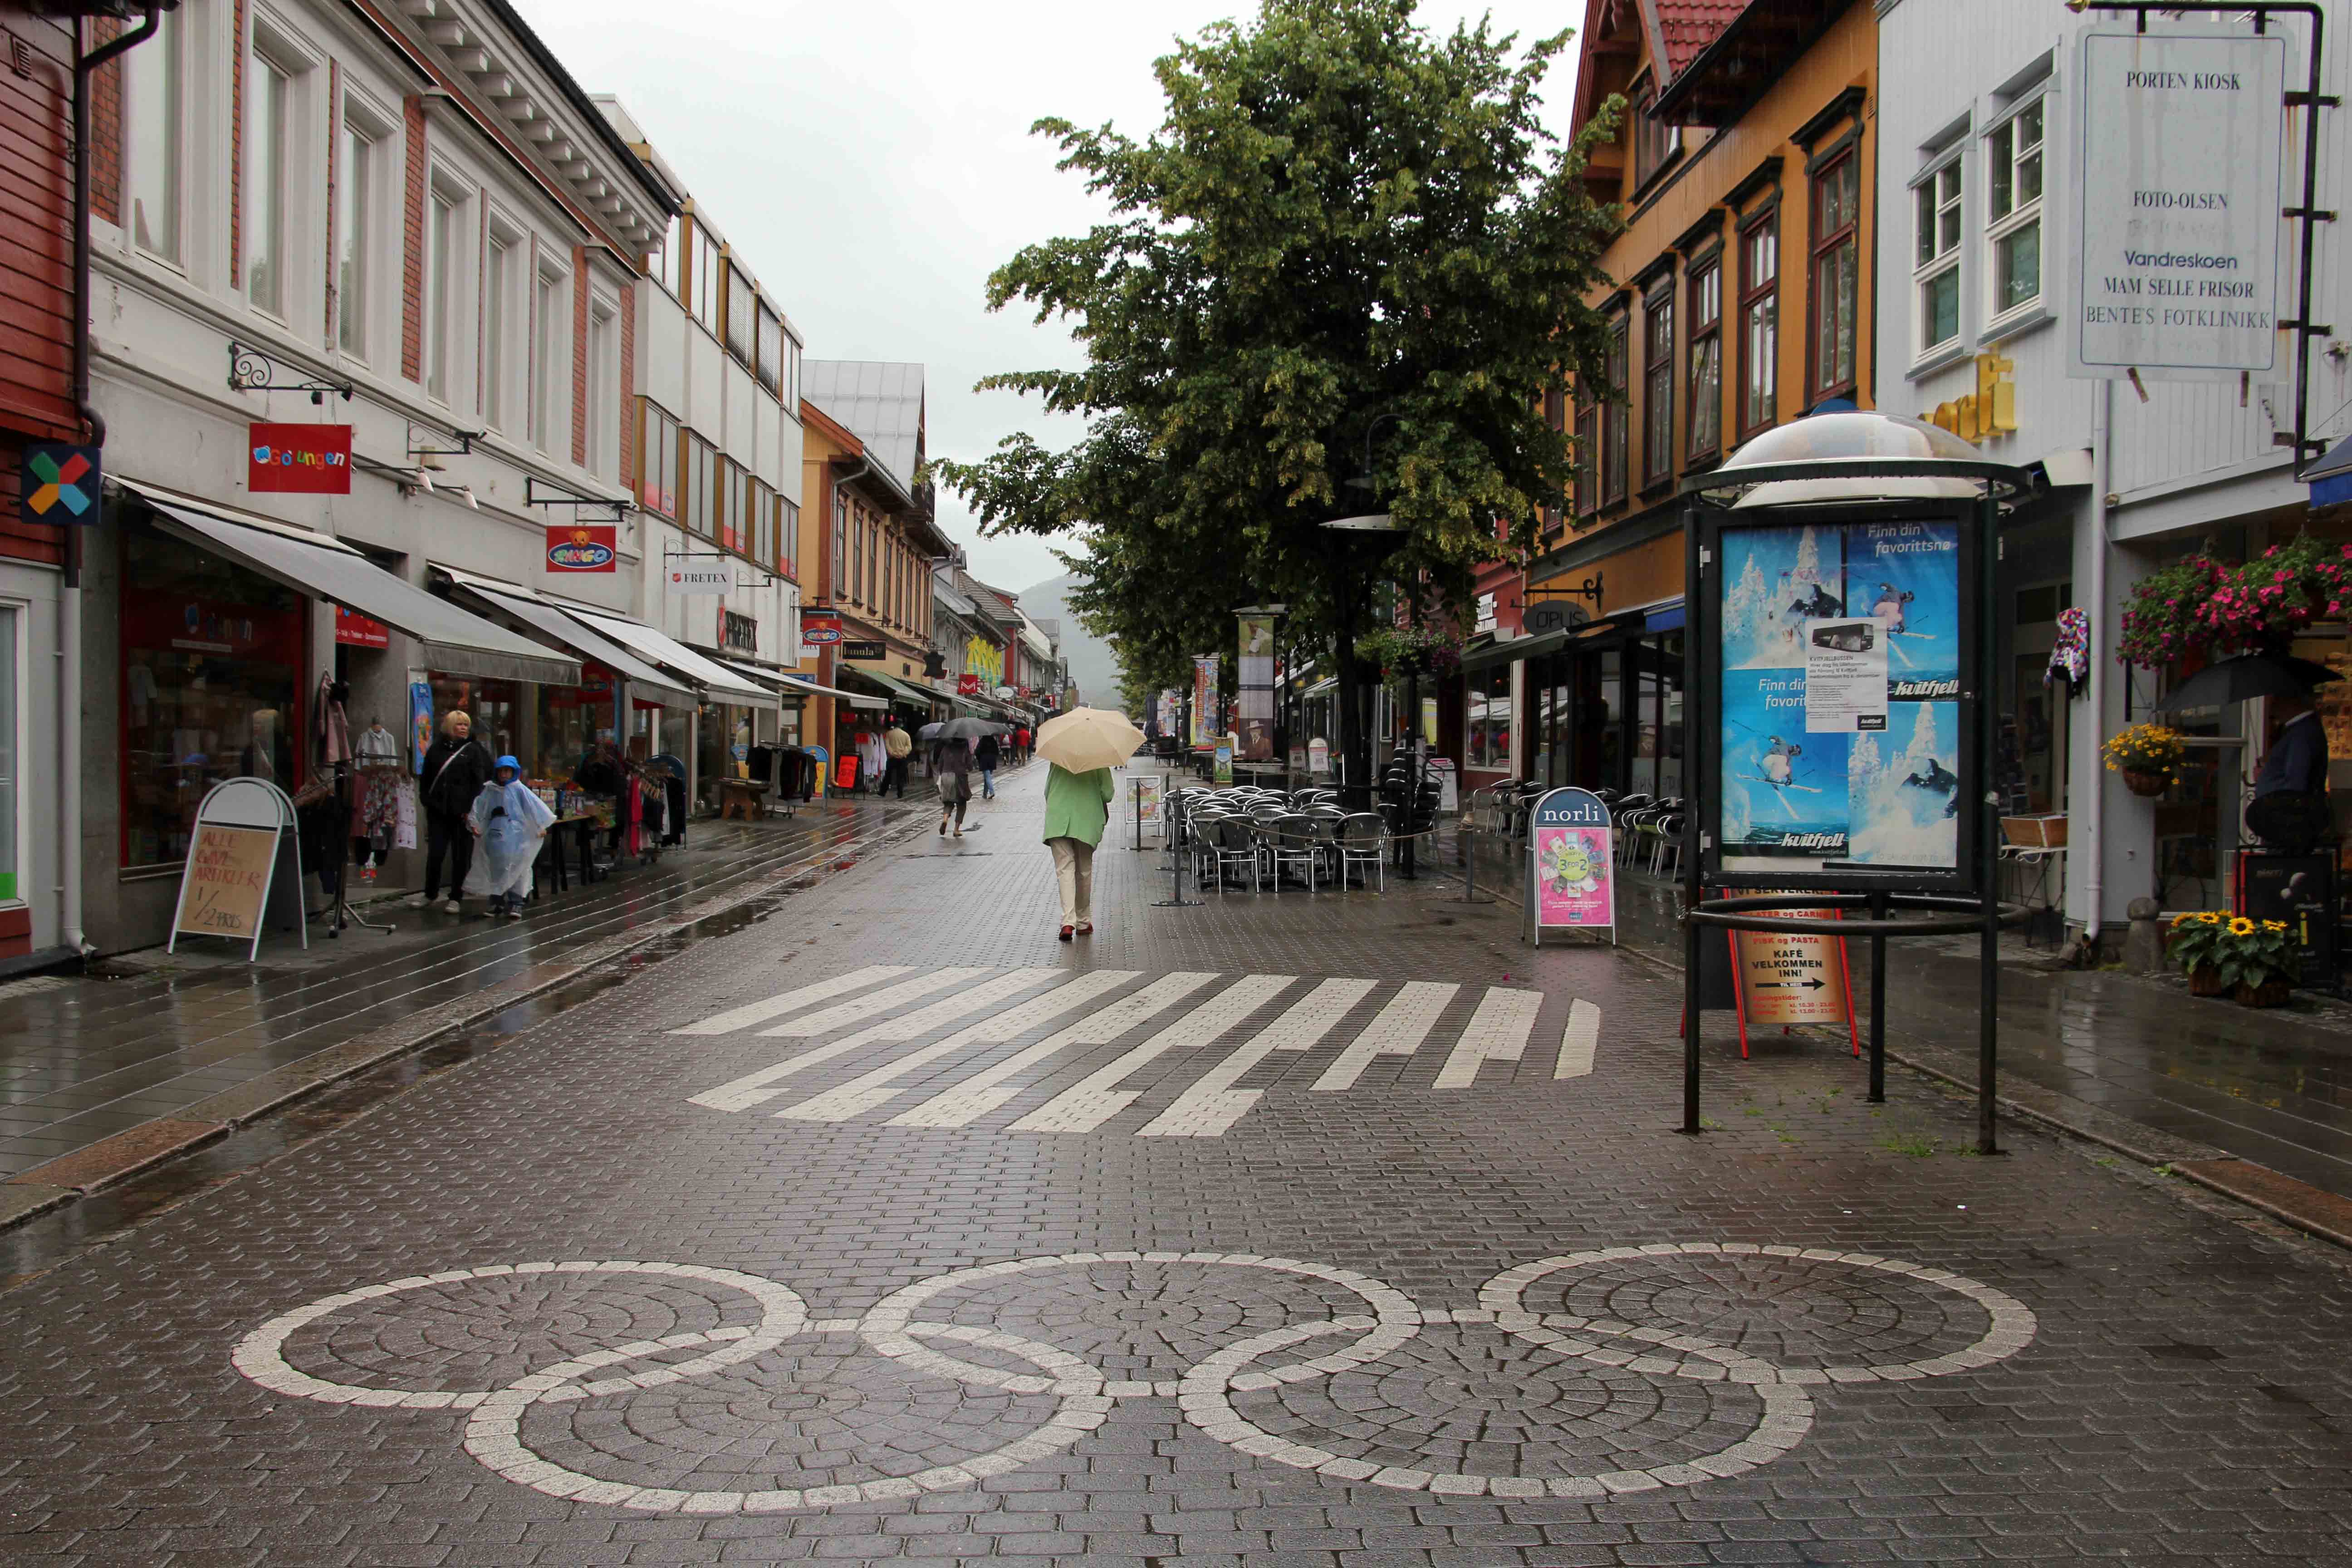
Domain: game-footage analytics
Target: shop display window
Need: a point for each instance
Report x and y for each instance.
(495, 706)
(212, 681)
(570, 719)
(1488, 732)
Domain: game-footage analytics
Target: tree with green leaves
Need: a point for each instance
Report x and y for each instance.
(1348, 234)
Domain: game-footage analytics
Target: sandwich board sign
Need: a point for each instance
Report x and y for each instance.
(1571, 862)
(225, 889)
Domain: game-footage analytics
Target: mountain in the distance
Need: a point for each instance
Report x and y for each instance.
(1092, 665)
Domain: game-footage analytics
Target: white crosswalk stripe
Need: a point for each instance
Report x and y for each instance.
(1097, 1097)
(755, 1088)
(1212, 1104)
(726, 1023)
(870, 1090)
(1402, 1025)
(1498, 1032)
(1187, 1015)
(984, 1091)
(888, 999)
(1578, 1040)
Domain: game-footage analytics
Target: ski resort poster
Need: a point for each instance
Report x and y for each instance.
(1820, 780)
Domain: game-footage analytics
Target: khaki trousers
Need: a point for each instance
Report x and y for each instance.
(1074, 864)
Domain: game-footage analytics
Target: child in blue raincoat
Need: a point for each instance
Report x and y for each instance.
(512, 822)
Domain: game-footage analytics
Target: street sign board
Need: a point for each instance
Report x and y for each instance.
(1570, 862)
(1787, 977)
(298, 459)
(2179, 182)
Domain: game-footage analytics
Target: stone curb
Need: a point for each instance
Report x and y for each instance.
(101, 1164)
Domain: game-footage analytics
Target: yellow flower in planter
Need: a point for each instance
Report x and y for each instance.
(2242, 926)
(2274, 925)
(2210, 917)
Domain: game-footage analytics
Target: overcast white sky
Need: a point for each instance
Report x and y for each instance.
(872, 162)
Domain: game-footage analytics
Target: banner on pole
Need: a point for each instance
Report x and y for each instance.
(1205, 698)
(1256, 673)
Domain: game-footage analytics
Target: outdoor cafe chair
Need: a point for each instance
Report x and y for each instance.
(1363, 841)
(1669, 841)
(1236, 846)
(1292, 842)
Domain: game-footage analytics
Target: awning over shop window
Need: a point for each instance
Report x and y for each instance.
(645, 683)
(1328, 683)
(892, 687)
(451, 638)
(803, 685)
(716, 683)
(1511, 651)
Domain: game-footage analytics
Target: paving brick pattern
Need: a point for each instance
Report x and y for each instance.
(1890, 1352)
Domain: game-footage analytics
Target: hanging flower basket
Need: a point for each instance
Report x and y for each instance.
(2201, 605)
(2147, 755)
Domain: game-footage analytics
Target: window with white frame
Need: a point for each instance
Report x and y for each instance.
(603, 384)
(551, 365)
(501, 279)
(706, 270)
(355, 230)
(1936, 254)
(2014, 209)
(443, 286)
(664, 263)
(155, 130)
(269, 185)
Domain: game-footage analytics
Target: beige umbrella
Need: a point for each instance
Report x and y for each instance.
(1086, 738)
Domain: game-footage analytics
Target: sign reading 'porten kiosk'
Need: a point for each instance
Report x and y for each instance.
(2178, 167)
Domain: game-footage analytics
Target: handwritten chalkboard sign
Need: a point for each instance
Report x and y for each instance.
(241, 825)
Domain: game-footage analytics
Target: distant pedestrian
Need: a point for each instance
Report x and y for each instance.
(897, 747)
(952, 764)
(1022, 742)
(1078, 808)
(985, 755)
(456, 768)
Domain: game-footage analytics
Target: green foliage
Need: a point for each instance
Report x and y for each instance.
(2246, 951)
(1341, 216)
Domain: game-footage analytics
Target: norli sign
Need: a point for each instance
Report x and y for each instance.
(2177, 267)
(1571, 855)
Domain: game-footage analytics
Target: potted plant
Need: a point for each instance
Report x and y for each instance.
(2260, 959)
(2195, 943)
(2202, 605)
(2148, 755)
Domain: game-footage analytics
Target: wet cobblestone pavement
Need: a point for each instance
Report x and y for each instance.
(1283, 1230)
(83, 1059)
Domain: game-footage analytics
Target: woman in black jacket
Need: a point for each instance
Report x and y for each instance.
(455, 770)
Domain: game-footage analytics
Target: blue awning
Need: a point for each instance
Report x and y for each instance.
(2331, 477)
(1664, 619)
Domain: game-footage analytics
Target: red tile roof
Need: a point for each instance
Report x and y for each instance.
(1690, 25)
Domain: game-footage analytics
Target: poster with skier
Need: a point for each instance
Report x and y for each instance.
(1839, 733)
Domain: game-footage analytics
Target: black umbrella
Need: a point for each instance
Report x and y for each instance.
(2245, 677)
(962, 730)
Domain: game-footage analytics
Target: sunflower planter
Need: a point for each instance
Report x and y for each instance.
(2232, 956)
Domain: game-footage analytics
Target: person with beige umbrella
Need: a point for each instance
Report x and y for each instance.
(1080, 748)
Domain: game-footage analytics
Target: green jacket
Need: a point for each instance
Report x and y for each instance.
(1078, 805)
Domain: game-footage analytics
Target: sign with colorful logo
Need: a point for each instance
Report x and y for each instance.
(60, 484)
(1571, 857)
(355, 630)
(967, 685)
(820, 626)
(298, 459)
(583, 547)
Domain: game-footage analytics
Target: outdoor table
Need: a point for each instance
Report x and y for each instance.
(585, 826)
(744, 798)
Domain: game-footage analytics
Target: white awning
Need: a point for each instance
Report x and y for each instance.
(513, 599)
(449, 637)
(802, 683)
(719, 684)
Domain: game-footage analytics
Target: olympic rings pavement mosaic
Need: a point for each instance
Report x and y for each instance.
(678, 1388)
